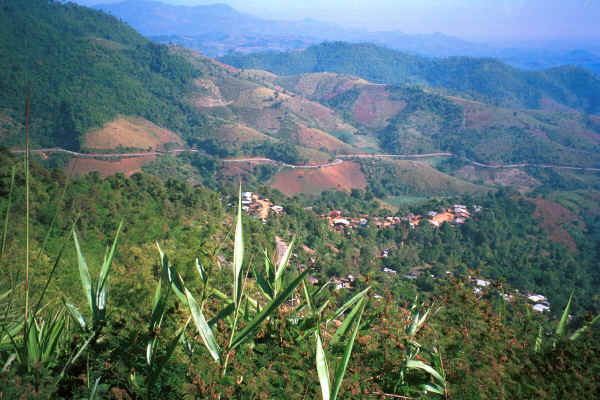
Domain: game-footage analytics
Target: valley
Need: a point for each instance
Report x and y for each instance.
(296, 218)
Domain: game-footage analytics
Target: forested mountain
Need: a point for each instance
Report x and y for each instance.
(218, 29)
(487, 80)
(84, 68)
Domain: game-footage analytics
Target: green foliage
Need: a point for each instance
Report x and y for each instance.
(85, 67)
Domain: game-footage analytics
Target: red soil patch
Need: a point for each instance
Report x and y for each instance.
(127, 166)
(373, 107)
(553, 217)
(343, 177)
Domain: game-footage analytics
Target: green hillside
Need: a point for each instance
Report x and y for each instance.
(484, 79)
(84, 68)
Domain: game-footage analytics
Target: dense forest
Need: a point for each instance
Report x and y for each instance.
(503, 243)
(42, 44)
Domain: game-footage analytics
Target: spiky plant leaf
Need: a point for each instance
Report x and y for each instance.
(348, 321)
(349, 304)
(84, 274)
(562, 324)
(417, 364)
(106, 266)
(76, 315)
(341, 370)
(203, 329)
(322, 367)
(584, 328)
(283, 263)
(246, 333)
(263, 284)
(238, 253)
(538, 340)
(201, 271)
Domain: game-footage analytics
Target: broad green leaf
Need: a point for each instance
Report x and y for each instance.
(341, 370)
(245, 334)
(203, 329)
(307, 296)
(238, 253)
(416, 364)
(322, 368)
(33, 345)
(433, 389)
(84, 274)
(263, 284)
(584, 328)
(283, 263)
(538, 340)
(76, 315)
(562, 324)
(348, 304)
(105, 271)
(52, 335)
(95, 389)
(344, 328)
(201, 271)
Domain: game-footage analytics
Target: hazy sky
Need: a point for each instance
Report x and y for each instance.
(469, 19)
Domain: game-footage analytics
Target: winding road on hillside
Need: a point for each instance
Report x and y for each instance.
(339, 160)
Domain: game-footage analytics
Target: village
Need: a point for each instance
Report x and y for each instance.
(259, 207)
(458, 214)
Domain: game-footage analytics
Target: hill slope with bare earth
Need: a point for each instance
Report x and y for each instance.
(130, 132)
(343, 177)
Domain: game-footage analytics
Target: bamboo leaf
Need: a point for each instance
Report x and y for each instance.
(562, 324)
(343, 329)
(238, 253)
(203, 329)
(283, 263)
(339, 374)
(53, 335)
(84, 273)
(584, 328)
(105, 271)
(201, 271)
(348, 304)
(263, 284)
(416, 364)
(538, 340)
(245, 334)
(95, 389)
(322, 368)
(76, 315)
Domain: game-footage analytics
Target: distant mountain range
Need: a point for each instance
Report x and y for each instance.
(484, 79)
(218, 29)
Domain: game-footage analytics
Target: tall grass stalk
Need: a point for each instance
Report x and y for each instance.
(27, 106)
(6, 218)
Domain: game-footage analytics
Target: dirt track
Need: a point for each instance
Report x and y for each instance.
(339, 160)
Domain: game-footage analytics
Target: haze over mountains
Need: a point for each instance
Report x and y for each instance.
(218, 29)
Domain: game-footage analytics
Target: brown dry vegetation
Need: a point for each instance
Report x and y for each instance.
(343, 177)
(516, 178)
(127, 166)
(239, 134)
(554, 218)
(373, 107)
(130, 132)
(316, 138)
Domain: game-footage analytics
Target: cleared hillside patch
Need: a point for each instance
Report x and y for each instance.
(343, 177)
(554, 218)
(127, 166)
(130, 132)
